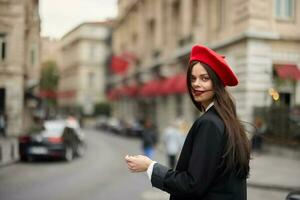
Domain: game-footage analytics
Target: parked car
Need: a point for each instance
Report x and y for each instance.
(115, 125)
(134, 128)
(57, 139)
(102, 123)
(293, 196)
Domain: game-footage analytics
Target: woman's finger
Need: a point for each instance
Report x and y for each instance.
(130, 165)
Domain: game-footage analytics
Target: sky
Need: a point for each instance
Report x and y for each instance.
(60, 16)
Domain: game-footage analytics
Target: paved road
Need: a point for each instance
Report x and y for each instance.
(100, 174)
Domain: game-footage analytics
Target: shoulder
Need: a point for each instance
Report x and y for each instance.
(212, 120)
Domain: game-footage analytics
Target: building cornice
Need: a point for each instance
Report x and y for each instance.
(237, 38)
(185, 50)
(126, 13)
(80, 39)
(9, 70)
(107, 24)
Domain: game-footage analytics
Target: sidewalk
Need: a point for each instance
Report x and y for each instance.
(275, 172)
(8, 150)
(269, 173)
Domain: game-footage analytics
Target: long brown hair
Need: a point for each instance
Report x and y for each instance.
(237, 150)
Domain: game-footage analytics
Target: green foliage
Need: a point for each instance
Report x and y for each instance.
(49, 79)
(35, 128)
(49, 76)
(102, 108)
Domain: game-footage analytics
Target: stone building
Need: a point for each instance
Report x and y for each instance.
(260, 39)
(82, 73)
(19, 59)
(50, 50)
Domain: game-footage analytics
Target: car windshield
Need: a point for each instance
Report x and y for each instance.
(54, 126)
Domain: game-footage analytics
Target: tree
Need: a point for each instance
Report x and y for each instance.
(49, 76)
(49, 82)
(102, 108)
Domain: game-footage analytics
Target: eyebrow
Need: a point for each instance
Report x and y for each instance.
(200, 75)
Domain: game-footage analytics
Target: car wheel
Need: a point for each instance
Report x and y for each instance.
(24, 158)
(80, 150)
(69, 154)
(30, 158)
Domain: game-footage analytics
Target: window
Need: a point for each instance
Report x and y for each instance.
(179, 105)
(285, 99)
(195, 12)
(91, 79)
(284, 9)
(2, 47)
(221, 13)
(92, 52)
(2, 99)
(35, 13)
(33, 54)
(32, 57)
(176, 21)
(151, 31)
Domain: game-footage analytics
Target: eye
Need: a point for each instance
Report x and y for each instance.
(205, 78)
(193, 78)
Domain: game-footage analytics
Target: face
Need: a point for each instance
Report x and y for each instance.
(202, 85)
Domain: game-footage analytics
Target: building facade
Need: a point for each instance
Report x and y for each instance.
(51, 50)
(19, 59)
(260, 39)
(82, 73)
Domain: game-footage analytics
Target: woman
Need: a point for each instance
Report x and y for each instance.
(149, 138)
(172, 140)
(214, 161)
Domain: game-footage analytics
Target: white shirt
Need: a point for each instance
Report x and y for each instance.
(209, 105)
(172, 140)
(150, 168)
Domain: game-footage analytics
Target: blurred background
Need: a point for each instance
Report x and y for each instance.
(96, 70)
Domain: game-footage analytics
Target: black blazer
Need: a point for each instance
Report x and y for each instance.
(199, 172)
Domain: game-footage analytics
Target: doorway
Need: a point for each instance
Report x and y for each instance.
(2, 100)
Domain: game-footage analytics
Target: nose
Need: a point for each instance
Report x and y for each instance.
(196, 83)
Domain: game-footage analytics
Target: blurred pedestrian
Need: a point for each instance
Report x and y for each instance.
(149, 138)
(214, 161)
(184, 127)
(72, 122)
(257, 138)
(172, 139)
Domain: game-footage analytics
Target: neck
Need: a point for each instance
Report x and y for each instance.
(207, 105)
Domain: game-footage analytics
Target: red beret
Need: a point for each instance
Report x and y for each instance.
(216, 62)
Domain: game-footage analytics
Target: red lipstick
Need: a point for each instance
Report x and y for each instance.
(199, 92)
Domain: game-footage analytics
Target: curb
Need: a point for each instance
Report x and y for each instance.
(281, 188)
(9, 151)
(155, 194)
(6, 164)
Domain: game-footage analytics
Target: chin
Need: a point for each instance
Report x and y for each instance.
(198, 99)
(201, 99)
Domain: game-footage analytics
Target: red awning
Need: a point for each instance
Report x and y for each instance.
(112, 94)
(129, 91)
(180, 86)
(288, 71)
(66, 94)
(168, 86)
(174, 85)
(50, 94)
(152, 88)
(119, 65)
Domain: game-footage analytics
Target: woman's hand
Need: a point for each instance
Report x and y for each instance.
(138, 163)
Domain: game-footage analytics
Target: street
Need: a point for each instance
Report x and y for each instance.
(100, 174)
